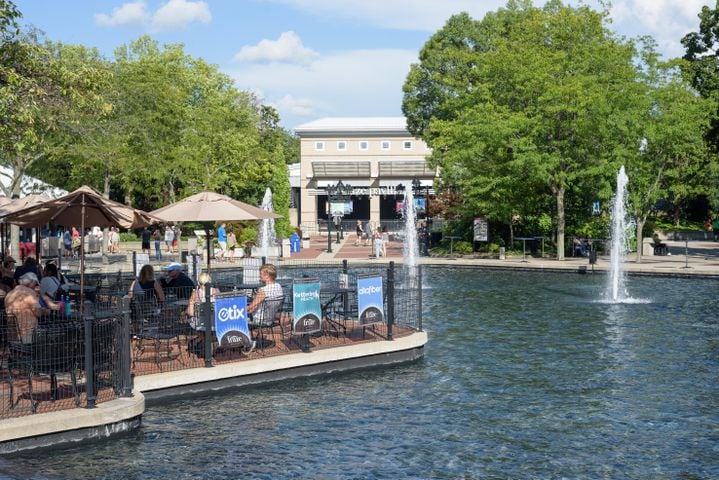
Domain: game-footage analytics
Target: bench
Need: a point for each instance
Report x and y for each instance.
(661, 249)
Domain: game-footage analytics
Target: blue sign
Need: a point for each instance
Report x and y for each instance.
(231, 321)
(294, 243)
(370, 299)
(306, 308)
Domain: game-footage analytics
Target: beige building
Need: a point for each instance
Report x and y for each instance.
(373, 156)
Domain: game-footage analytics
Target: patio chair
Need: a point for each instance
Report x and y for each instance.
(267, 317)
(53, 350)
(154, 326)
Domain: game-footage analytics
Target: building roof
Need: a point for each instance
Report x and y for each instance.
(354, 124)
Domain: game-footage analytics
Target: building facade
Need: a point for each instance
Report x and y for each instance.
(375, 158)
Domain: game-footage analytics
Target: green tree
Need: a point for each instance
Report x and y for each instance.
(525, 98)
(702, 69)
(672, 160)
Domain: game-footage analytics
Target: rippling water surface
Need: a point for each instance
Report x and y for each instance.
(526, 375)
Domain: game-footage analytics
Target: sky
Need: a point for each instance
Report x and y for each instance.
(314, 58)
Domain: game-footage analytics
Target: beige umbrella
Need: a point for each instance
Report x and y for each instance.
(82, 207)
(10, 205)
(209, 207)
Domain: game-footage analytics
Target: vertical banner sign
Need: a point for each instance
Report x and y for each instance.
(481, 229)
(306, 306)
(231, 321)
(370, 299)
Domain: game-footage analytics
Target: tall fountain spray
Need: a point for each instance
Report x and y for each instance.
(410, 249)
(266, 236)
(621, 234)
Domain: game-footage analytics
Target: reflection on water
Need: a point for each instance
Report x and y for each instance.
(525, 376)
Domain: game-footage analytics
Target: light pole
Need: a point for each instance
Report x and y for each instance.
(335, 193)
(424, 191)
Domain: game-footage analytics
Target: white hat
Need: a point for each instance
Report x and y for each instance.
(28, 277)
(174, 266)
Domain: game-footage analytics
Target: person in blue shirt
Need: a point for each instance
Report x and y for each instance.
(222, 241)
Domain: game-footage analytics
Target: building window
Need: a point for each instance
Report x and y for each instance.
(319, 146)
(386, 144)
(407, 145)
(341, 145)
(364, 145)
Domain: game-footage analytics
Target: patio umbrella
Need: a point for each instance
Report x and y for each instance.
(84, 206)
(209, 207)
(10, 205)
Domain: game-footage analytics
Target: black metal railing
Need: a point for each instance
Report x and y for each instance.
(60, 361)
(89, 355)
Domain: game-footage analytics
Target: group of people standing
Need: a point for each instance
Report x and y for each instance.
(372, 236)
(71, 240)
(171, 236)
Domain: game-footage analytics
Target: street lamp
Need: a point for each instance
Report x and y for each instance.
(419, 189)
(335, 193)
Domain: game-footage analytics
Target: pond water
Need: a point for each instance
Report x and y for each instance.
(525, 375)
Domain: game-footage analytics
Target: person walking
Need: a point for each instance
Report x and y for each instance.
(157, 236)
(359, 231)
(169, 237)
(222, 241)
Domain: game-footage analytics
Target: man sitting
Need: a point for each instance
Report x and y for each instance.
(265, 296)
(23, 304)
(175, 281)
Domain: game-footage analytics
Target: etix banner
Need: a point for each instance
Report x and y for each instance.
(370, 299)
(231, 321)
(306, 308)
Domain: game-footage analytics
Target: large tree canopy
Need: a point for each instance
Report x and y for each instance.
(530, 102)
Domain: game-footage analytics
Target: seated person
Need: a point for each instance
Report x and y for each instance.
(29, 265)
(23, 303)
(272, 291)
(145, 286)
(175, 281)
(7, 276)
(198, 297)
(50, 286)
(660, 247)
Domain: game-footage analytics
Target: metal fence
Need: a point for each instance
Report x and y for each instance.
(117, 329)
(60, 361)
(170, 335)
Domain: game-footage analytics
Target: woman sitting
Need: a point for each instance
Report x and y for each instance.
(197, 298)
(145, 287)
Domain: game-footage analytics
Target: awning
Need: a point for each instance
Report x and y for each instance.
(405, 169)
(355, 182)
(341, 169)
(404, 181)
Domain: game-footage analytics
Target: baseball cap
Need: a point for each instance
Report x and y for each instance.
(174, 266)
(29, 276)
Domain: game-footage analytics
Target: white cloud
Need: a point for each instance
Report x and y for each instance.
(423, 15)
(288, 48)
(171, 15)
(299, 107)
(180, 13)
(133, 13)
(667, 21)
(351, 83)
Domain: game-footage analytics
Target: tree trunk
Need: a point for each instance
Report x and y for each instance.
(559, 192)
(640, 238)
(511, 233)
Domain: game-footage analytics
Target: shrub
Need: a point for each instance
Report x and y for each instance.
(129, 237)
(462, 247)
